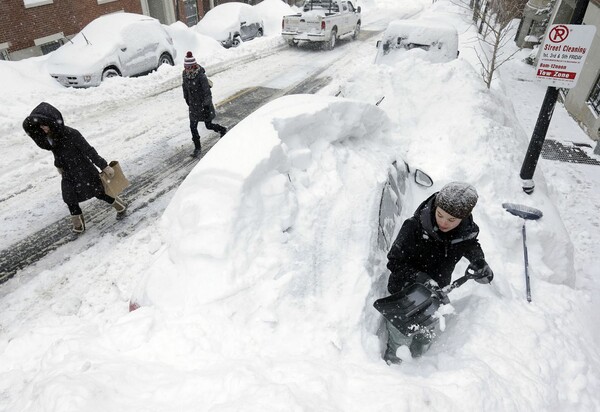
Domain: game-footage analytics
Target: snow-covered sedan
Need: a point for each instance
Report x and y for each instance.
(231, 24)
(119, 44)
(432, 39)
(305, 189)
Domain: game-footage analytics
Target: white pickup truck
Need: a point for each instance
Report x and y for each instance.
(322, 21)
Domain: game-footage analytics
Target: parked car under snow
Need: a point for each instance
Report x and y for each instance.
(282, 187)
(433, 40)
(118, 44)
(231, 24)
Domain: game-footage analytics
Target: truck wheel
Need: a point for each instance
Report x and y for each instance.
(356, 31)
(293, 43)
(237, 40)
(333, 39)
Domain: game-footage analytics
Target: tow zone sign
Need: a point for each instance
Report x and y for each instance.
(563, 54)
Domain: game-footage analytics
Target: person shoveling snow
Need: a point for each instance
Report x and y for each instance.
(421, 262)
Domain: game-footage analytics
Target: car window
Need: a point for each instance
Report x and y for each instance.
(135, 35)
(350, 7)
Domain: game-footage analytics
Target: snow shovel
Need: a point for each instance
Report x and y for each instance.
(527, 213)
(413, 308)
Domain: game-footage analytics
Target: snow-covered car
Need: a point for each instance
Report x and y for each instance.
(231, 24)
(289, 191)
(118, 44)
(434, 40)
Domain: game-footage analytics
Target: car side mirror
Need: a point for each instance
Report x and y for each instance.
(423, 179)
(358, 9)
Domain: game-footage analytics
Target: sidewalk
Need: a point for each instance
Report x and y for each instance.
(573, 186)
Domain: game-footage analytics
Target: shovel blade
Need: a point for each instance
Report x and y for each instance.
(411, 309)
(525, 212)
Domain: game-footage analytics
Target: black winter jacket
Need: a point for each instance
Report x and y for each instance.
(72, 153)
(421, 247)
(197, 95)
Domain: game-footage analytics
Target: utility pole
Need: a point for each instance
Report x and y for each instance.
(541, 126)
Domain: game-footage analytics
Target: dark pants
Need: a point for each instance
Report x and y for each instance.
(76, 210)
(209, 125)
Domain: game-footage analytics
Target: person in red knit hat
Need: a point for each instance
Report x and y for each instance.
(197, 95)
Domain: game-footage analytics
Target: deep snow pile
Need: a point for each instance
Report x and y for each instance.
(275, 272)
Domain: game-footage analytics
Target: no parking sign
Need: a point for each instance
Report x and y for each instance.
(563, 54)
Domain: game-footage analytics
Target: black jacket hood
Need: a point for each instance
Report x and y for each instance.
(44, 114)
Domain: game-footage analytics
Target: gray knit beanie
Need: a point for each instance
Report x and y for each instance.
(457, 199)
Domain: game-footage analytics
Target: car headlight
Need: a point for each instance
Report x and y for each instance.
(87, 78)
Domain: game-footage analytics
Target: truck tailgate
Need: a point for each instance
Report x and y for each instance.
(291, 23)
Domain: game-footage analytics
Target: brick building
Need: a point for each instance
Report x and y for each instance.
(34, 27)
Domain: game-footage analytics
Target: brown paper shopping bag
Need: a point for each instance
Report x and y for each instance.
(115, 185)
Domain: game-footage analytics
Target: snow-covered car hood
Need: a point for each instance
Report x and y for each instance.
(78, 58)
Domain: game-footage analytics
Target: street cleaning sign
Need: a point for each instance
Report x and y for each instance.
(563, 54)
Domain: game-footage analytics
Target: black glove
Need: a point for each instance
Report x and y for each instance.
(424, 279)
(431, 285)
(480, 271)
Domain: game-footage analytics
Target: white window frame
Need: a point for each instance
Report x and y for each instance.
(37, 3)
(49, 39)
(105, 1)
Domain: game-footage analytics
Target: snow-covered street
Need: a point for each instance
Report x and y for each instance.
(257, 272)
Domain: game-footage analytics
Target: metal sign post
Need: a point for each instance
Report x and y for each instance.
(564, 74)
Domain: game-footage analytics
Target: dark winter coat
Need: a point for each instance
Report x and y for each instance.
(422, 247)
(197, 95)
(72, 153)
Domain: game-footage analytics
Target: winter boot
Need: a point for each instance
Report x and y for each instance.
(390, 357)
(78, 223)
(120, 206)
(420, 343)
(197, 149)
(222, 131)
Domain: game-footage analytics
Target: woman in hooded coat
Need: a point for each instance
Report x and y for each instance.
(75, 159)
(428, 247)
(197, 95)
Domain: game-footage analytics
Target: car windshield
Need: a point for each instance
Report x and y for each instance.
(106, 29)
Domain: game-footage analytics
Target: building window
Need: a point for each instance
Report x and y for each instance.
(4, 51)
(191, 12)
(50, 43)
(594, 99)
(50, 47)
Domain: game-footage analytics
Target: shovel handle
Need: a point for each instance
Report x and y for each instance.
(457, 283)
